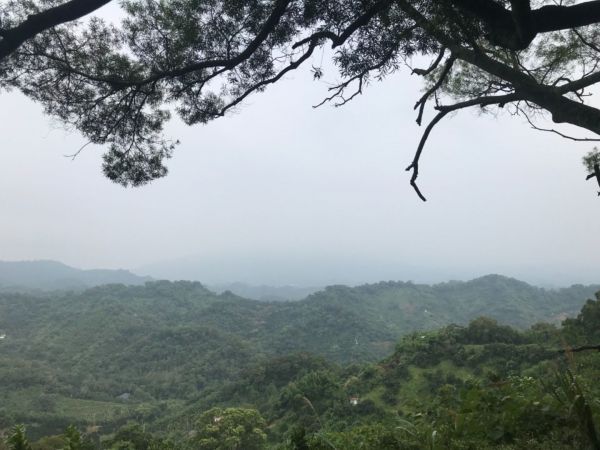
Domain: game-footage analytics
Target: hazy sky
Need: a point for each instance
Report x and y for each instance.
(282, 193)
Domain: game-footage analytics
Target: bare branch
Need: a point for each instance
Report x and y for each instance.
(585, 41)
(433, 66)
(76, 154)
(443, 111)
(414, 166)
(499, 100)
(292, 66)
(551, 130)
(423, 100)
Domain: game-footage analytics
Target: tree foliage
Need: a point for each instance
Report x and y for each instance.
(230, 429)
(17, 439)
(119, 85)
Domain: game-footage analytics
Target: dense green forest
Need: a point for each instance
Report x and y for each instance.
(384, 366)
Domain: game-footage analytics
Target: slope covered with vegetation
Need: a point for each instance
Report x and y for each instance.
(166, 353)
(480, 386)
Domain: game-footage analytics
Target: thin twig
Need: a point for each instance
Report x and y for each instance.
(76, 154)
(552, 130)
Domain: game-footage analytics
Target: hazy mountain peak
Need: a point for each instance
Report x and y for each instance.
(54, 275)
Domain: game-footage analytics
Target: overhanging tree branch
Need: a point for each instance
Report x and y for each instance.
(423, 100)
(13, 38)
(414, 166)
(551, 130)
(337, 40)
(515, 29)
(443, 111)
(115, 83)
(562, 108)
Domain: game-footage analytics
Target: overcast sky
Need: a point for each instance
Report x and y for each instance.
(281, 193)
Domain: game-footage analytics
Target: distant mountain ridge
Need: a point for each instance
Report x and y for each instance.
(53, 275)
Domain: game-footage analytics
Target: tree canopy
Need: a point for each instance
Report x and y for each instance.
(119, 85)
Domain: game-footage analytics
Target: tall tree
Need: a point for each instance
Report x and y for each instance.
(201, 59)
(230, 429)
(17, 439)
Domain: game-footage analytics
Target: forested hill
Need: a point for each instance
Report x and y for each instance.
(70, 357)
(53, 275)
(265, 292)
(342, 323)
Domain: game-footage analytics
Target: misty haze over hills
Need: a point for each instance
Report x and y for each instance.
(54, 275)
(350, 269)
